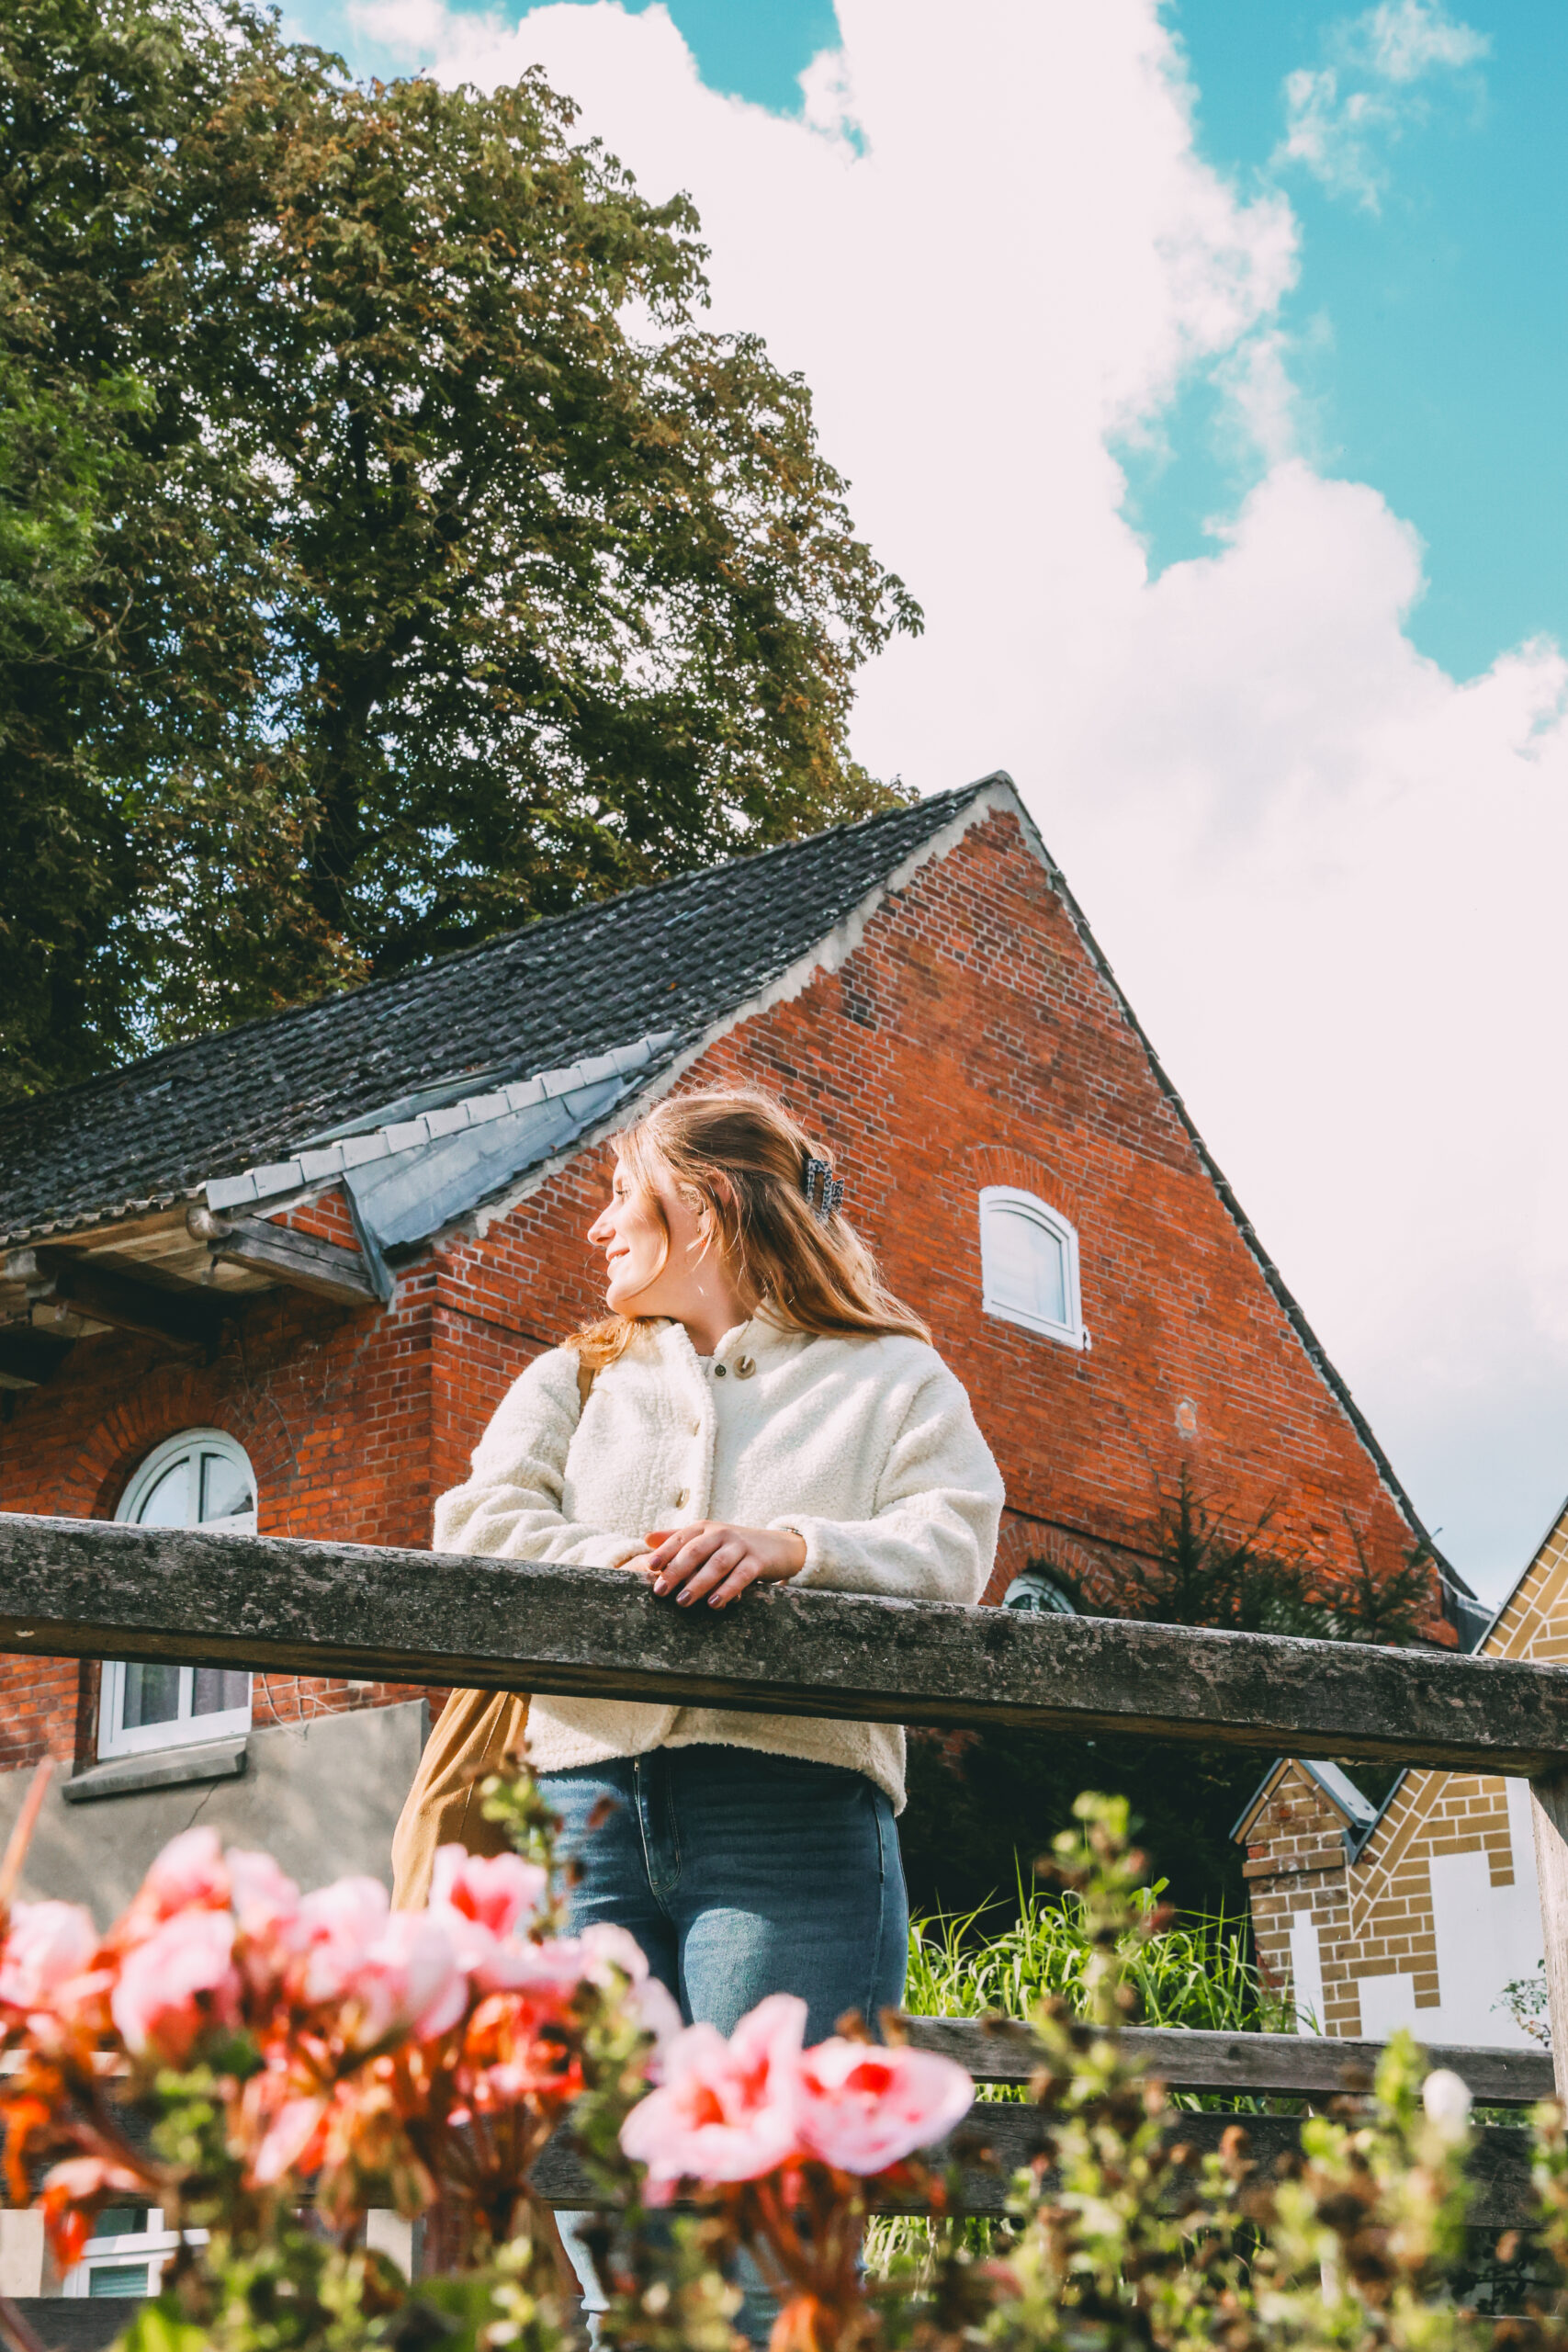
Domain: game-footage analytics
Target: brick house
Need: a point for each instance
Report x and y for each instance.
(1422, 1910)
(281, 1276)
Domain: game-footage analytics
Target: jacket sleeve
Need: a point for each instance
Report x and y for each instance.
(510, 1507)
(937, 1509)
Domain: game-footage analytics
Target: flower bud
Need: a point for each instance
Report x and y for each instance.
(1446, 2097)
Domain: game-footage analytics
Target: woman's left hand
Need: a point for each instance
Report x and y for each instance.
(718, 1560)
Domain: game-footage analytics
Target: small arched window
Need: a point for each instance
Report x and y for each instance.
(201, 1478)
(1036, 1593)
(1029, 1262)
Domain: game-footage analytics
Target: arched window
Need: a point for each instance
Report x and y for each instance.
(200, 1478)
(1029, 1262)
(1036, 1593)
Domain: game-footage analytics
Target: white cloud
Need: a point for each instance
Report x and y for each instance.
(1327, 871)
(1336, 138)
(1405, 39)
(1338, 127)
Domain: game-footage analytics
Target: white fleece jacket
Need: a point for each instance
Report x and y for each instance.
(867, 1449)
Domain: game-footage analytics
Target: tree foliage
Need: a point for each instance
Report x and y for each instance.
(387, 554)
(1205, 1572)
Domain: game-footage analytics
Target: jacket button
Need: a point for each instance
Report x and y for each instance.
(719, 1370)
(745, 1367)
(682, 1498)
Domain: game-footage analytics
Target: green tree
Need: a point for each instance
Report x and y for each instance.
(387, 555)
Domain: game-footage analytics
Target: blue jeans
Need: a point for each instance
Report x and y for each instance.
(742, 1875)
(739, 1874)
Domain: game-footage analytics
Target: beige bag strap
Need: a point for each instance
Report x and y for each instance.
(585, 1374)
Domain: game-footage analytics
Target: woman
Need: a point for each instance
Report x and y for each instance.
(763, 1410)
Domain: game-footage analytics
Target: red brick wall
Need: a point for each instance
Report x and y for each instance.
(332, 1407)
(969, 1041)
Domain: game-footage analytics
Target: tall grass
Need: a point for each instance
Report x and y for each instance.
(1199, 1972)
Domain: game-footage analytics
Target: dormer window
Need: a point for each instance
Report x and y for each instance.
(1029, 1261)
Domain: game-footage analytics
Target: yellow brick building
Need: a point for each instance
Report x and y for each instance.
(1421, 1911)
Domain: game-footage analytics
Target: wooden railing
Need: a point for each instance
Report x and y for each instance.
(87, 1589)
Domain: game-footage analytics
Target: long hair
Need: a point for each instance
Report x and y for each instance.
(740, 1154)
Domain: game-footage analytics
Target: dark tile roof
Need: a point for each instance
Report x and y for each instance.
(677, 957)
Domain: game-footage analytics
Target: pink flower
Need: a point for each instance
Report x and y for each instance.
(605, 1947)
(293, 2126)
(181, 1979)
(651, 2004)
(398, 1969)
(334, 1928)
(188, 1875)
(68, 2187)
(864, 2108)
(48, 1945)
(550, 1971)
(494, 1893)
(658, 2012)
(264, 1900)
(409, 1979)
(726, 2110)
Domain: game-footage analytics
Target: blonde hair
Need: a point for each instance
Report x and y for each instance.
(745, 1159)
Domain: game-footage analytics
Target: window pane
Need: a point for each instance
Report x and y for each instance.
(119, 2221)
(117, 2279)
(225, 1489)
(1027, 1266)
(216, 1689)
(152, 1695)
(168, 1505)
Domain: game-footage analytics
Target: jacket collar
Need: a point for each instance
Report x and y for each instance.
(762, 1337)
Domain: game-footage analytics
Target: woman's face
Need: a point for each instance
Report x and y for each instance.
(657, 1247)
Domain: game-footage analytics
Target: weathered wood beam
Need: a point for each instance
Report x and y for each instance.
(301, 1260)
(994, 2140)
(188, 1321)
(1269, 2065)
(89, 1589)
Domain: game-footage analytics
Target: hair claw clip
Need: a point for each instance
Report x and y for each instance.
(819, 1174)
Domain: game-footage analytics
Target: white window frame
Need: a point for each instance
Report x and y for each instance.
(185, 1730)
(1005, 1200)
(151, 2244)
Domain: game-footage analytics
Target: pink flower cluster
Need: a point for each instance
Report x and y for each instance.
(737, 2109)
(364, 2031)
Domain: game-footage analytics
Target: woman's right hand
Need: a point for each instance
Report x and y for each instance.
(718, 1560)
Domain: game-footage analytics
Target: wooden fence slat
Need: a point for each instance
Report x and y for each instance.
(1283, 2065)
(1499, 2165)
(89, 1589)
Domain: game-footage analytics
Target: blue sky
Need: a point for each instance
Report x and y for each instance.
(1429, 336)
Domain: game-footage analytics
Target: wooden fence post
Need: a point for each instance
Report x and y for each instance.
(1549, 1807)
